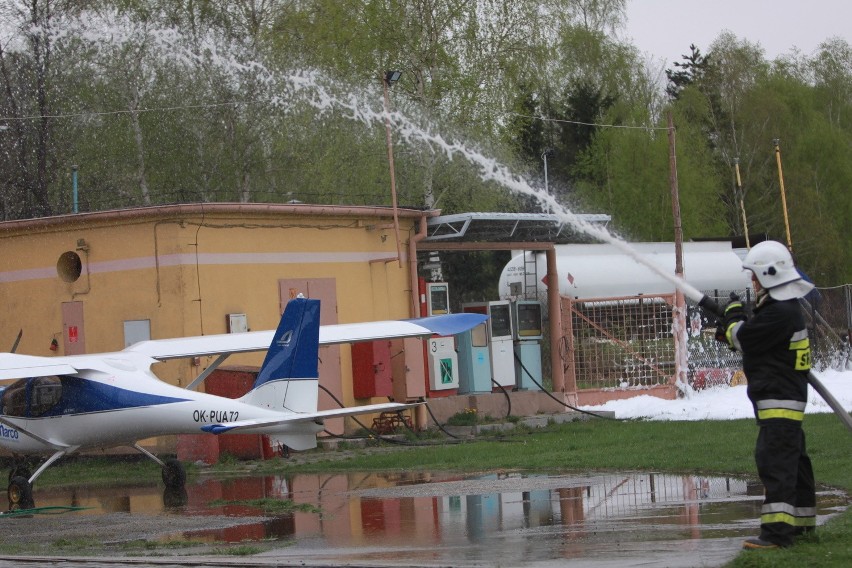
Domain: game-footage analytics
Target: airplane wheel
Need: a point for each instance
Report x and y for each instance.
(20, 494)
(19, 471)
(174, 474)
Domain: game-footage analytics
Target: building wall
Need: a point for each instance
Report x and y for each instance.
(185, 268)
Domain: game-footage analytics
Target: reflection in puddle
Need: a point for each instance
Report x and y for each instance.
(437, 517)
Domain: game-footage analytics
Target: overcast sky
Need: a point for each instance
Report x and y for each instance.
(666, 28)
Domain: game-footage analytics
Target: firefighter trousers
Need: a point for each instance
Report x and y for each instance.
(789, 507)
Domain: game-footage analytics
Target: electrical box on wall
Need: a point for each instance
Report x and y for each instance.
(409, 368)
(372, 373)
(135, 331)
(237, 323)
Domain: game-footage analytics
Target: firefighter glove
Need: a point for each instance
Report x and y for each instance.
(734, 313)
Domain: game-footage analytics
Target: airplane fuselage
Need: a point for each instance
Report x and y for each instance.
(108, 407)
(60, 405)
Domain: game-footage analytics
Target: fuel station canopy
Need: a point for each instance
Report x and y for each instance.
(508, 227)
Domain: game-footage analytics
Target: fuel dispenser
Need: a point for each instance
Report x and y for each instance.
(443, 365)
(527, 323)
(474, 360)
(500, 339)
(437, 298)
(441, 358)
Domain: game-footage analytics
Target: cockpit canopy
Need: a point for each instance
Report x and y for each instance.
(31, 397)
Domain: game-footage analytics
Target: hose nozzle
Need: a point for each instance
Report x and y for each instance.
(710, 305)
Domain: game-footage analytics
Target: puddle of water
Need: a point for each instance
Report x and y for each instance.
(440, 518)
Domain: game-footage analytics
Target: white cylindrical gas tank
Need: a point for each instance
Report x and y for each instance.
(605, 271)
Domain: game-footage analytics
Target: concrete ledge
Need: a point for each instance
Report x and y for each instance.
(538, 421)
(495, 405)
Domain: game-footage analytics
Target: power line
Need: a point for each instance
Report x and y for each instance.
(235, 103)
(577, 122)
(116, 112)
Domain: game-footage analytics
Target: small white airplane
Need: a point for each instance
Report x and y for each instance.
(62, 405)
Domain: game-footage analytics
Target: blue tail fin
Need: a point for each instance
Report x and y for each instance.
(288, 380)
(294, 351)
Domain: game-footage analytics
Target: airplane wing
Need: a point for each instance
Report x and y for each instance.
(17, 366)
(229, 343)
(14, 366)
(307, 417)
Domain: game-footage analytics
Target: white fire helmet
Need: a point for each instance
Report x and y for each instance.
(772, 264)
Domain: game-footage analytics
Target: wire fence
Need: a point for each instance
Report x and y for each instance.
(628, 342)
(829, 312)
(619, 342)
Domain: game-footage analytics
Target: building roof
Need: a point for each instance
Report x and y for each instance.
(67, 220)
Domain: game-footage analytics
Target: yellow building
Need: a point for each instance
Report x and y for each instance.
(97, 282)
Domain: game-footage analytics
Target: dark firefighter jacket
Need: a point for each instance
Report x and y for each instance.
(776, 358)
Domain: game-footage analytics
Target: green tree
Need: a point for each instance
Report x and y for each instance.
(161, 101)
(626, 172)
(692, 70)
(31, 77)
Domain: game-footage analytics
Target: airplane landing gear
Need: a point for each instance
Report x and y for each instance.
(20, 491)
(20, 494)
(20, 470)
(174, 474)
(174, 477)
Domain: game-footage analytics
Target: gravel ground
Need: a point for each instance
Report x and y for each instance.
(72, 534)
(111, 529)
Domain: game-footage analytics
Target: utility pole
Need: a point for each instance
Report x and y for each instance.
(741, 196)
(547, 152)
(777, 143)
(388, 78)
(679, 313)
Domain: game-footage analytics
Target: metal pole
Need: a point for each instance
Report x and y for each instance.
(848, 291)
(678, 229)
(742, 201)
(679, 314)
(554, 310)
(544, 157)
(74, 186)
(392, 172)
(777, 143)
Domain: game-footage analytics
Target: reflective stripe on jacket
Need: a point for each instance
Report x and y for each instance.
(776, 357)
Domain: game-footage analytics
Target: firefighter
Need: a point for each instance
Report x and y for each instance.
(776, 359)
